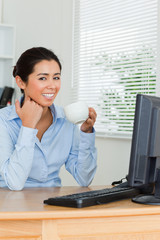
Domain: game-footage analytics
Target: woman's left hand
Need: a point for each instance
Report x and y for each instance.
(87, 126)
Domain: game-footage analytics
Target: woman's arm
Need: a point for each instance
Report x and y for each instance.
(82, 160)
(16, 158)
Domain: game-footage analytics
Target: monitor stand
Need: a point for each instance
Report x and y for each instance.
(151, 199)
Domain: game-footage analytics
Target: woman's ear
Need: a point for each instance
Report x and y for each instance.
(20, 82)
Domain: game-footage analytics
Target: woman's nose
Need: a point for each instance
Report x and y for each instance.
(51, 83)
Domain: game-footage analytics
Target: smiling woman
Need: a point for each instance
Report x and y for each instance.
(34, 131)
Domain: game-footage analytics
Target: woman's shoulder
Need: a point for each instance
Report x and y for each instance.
(7, 112)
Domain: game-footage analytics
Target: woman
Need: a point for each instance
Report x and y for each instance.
(36, 139)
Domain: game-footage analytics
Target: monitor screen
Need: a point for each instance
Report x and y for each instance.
(144, 168)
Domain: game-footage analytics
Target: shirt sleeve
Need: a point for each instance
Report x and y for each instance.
(82, 161)
(16, 159)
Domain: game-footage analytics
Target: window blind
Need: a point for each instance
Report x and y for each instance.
(115, 57)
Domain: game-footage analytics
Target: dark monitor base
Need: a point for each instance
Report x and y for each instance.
(146, 199)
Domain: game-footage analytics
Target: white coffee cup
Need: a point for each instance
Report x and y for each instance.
(77, 112)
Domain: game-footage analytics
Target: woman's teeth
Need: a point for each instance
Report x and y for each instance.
(49, 95)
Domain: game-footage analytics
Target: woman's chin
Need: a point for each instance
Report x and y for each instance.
(47, 104)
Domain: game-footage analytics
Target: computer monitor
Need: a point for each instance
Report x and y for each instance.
(144, 167)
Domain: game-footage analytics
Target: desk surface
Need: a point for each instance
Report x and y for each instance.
(24, 216)
(24, 204)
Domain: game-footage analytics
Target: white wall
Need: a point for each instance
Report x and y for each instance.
(42, 23)
(48, 23)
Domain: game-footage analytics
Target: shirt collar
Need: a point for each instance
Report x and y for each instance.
(57, 111)
(13, 114)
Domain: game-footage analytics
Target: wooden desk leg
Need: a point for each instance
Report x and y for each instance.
(49, 230)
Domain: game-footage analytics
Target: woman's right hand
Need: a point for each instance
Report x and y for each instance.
(30, 113)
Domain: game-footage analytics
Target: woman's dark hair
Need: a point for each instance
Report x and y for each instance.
(25, 64)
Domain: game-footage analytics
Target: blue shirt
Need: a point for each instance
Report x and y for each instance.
(27, 162)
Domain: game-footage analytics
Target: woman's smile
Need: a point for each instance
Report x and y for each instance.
(48, 95)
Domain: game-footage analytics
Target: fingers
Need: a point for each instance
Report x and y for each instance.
(92, 112)
(28, 98)
(87, 126)
(92, 115)
(31, 101)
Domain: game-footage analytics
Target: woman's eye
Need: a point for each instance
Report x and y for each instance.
(56, 78)
(42, 78)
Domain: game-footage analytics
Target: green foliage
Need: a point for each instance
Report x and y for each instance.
(135, 73)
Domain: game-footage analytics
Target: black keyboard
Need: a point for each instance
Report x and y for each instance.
(91, 198)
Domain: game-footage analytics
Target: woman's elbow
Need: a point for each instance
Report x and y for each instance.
(15, 186)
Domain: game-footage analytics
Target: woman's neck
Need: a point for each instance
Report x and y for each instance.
(44, 123)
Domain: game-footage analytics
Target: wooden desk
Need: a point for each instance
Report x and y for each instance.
(24, 216)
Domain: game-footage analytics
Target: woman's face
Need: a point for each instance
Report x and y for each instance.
(44, 83)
